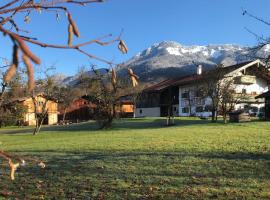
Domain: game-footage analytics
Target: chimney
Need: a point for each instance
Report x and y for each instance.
(199, 69)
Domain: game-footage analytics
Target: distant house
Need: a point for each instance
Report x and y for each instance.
(155, 100)
(266, 96)
(81, 109)
(29, 118)
(126, 106)
(181, 96)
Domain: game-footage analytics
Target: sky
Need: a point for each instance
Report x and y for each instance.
(144, 22)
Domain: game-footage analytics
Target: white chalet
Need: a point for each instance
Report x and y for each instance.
(182, 96)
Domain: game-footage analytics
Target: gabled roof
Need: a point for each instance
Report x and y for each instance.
(263, 95)
(192, 78)
(162, 85)
(21, 99)
(242, 66)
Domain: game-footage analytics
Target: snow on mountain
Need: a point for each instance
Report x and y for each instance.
(170, 59)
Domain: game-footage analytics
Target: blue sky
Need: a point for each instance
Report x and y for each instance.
(189, 22)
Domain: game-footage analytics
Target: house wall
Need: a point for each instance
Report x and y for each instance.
(176, 110)
(251, 91)
(52, 118)
(260, 86)
(192, 103)
(52, 107)
(29, 119)
(147, 112)
(127, 108)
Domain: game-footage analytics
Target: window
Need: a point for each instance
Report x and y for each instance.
(262, 109)
(199, 109)
(199, 93)
(184, 103)
(40, 103)
(208, 108)
(185, 95)
(185, 110)
(254, 109)
(244, 91)
(246, 108)
(140, 111)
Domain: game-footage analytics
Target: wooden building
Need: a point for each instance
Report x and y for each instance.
(266, 97)
(79, 110)
(29, 118)
(158, 100)
(182, 97)
(125, 107)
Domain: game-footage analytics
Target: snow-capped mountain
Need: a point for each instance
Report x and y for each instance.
(170, 59)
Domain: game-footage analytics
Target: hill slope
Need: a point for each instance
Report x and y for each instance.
(170, 59)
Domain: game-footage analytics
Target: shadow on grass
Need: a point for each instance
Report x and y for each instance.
(120, 124)
(117, 174)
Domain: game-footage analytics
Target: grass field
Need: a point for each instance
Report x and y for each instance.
(142, 159)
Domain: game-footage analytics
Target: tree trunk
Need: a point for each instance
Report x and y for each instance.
(39, 123)
(213, 115)
(36, 128)
(64, 115)
(225, 118)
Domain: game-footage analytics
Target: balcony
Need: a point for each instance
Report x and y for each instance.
(245, 79)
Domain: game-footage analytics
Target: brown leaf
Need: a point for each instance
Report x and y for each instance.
(70, 35)
(25, 49)
(113, 77)
(74, 27)
(134, 78)
(13, 68)
(41, 165)
(123, 47)
(30, 72)
(13, 168)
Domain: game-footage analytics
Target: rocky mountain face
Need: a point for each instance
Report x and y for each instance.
(170, 59)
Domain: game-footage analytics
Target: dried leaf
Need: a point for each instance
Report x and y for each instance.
(25, 49)
(134, 81)
(134, 78)
(122, 47)
(113, 77)
(74, 27)
(30, 72)
(41, 165)
(13, 68)
(13, 168)
(70, 35)
(23, 162)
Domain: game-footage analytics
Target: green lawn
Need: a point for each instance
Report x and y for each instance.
(142, 159)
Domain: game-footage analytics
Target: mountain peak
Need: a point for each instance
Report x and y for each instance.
(168, 59)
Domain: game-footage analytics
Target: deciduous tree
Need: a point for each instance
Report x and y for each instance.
(21, 38)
